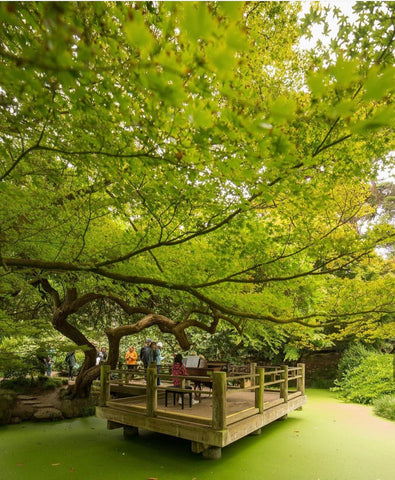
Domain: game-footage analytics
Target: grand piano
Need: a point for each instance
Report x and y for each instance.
(200, 370)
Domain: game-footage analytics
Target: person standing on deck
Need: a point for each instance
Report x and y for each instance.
(131, 358)
(159, 358)
(154, 353)
(147, 354)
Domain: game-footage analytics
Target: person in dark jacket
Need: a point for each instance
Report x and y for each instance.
(71, 363)
(146, 353)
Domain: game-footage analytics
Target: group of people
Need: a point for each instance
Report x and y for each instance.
(150, 352)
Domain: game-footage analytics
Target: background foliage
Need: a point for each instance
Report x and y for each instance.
(186, 165)
(365, 375)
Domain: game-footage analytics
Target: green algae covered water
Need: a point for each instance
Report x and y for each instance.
(328, 440)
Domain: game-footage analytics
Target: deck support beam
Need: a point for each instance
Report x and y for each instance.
(129, 431)
(198, 447)
(212, 453)
(113, 425)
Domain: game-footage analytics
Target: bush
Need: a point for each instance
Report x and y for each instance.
(385, 407)
(25, 385)
(19, 384)
(367, 380)
(351, 358)
(49, 383)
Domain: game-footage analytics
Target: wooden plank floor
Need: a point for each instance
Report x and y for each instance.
(236, 401)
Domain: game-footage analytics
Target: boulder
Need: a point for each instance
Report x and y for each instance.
(25, 412)
(7, 401)
(45, 414)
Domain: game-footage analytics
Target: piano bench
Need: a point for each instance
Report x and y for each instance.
(180, 392)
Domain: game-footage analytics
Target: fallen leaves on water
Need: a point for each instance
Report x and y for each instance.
(55, 464)
(72, 469)
(152, 478)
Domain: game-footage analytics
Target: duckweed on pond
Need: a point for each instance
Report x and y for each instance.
(328, 440)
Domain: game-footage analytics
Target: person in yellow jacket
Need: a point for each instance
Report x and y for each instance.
(131, 358)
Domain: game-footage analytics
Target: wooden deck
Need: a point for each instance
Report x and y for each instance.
(235, 407)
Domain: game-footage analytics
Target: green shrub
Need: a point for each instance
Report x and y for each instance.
(368, 380)
(385, 407)
(18, 384)
(24, 385)
(351, 358)
(49, 383)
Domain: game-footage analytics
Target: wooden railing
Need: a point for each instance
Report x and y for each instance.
(287, 381)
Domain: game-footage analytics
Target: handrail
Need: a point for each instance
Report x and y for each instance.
(280, 376)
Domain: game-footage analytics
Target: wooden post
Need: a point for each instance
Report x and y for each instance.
(219, 400)
(300, 381)
(253, 373)
(120, 378)
(284, 384)
(152, 397)
(104, 385)
(259, 392)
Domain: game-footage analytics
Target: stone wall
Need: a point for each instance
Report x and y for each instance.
(321, 368)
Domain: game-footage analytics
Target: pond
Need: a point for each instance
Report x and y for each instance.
(328, 440)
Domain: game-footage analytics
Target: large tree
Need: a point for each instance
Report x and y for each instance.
(190, 152)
